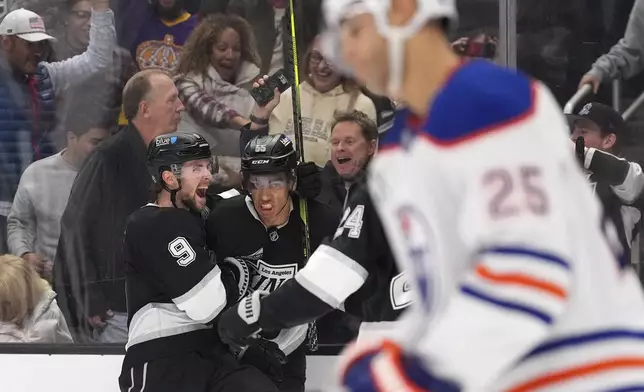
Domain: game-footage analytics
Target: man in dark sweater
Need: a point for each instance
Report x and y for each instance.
(353, 143)
(88, 271)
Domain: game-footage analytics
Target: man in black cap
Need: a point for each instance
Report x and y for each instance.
(598, 132)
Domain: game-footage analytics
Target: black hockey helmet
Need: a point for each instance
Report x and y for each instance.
(269, 154)
(171, 150)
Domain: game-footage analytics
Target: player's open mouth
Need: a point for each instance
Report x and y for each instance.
(201, 192)
(266, 207)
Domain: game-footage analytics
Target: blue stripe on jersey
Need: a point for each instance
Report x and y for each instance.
(416, 373)
(479, 97)
(542, 256)
(589, 338)
(357, 376)
(631, 388)
(393, 136)
(508, 305)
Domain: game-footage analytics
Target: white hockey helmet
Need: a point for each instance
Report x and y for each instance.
(335, 11)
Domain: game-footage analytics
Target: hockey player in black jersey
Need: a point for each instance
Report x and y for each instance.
(599, 132)
(175, 288)
(356, 269)
(262, 229)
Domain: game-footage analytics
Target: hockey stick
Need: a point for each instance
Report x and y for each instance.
(297, 127)
(312, 336)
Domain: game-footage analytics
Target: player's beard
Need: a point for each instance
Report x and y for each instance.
(170, 13)
(191, 204)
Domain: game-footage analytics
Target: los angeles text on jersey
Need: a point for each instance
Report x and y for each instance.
(267, 277)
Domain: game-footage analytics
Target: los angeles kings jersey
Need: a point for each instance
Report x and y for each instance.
(355, 271)
(360, 238)
(174, 287)
(273, 255)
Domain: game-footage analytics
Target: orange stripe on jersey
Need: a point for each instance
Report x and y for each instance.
(395, 353)
(581, 371)
(520, 280)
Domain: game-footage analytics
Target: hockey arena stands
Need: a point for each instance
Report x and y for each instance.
(52, 118)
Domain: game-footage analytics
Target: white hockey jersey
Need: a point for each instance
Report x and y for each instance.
(518, 279)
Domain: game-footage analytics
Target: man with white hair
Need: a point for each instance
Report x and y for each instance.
(29, 88)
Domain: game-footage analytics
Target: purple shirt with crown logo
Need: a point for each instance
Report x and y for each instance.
(159, 43)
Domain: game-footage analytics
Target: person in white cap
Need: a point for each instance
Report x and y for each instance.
(29, 88)
(23, 34)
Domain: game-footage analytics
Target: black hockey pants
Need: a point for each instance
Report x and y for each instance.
(195, 372)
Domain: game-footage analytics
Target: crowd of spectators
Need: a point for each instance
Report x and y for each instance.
(85, 85)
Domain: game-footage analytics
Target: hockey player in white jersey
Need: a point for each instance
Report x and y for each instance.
(519, 281)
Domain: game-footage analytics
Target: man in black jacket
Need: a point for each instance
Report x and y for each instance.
(353, 143)
(89, 272)
(261, 229)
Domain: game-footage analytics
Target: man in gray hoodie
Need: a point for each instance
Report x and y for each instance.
(626, 58)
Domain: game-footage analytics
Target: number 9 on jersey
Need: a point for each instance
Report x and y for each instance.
(181, 250)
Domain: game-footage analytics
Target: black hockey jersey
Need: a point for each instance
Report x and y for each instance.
(273, 255)
(356, 269)
(385, 292)
(174, 287)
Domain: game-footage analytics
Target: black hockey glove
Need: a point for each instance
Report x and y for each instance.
(237, 324)
(265, 356)
(235, 277)
(309, 184)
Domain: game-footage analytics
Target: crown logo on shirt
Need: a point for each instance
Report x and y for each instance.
(162, 55)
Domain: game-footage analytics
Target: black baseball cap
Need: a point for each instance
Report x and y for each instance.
(605, 117)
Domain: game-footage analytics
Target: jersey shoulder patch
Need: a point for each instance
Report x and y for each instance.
(479, 97)
(169, 236)
(229, 206)
(151, 225)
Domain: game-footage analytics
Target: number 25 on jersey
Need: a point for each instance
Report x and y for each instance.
(515, 191)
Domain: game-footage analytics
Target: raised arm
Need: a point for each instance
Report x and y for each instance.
(97, 57)
(206, 109)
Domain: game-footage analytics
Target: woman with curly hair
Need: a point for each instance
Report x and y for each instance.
(218, 65)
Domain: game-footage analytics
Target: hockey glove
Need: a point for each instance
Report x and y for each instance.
(265, 356)
(382, 366)
(236, 278)
(309, 184)
(238, 323)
